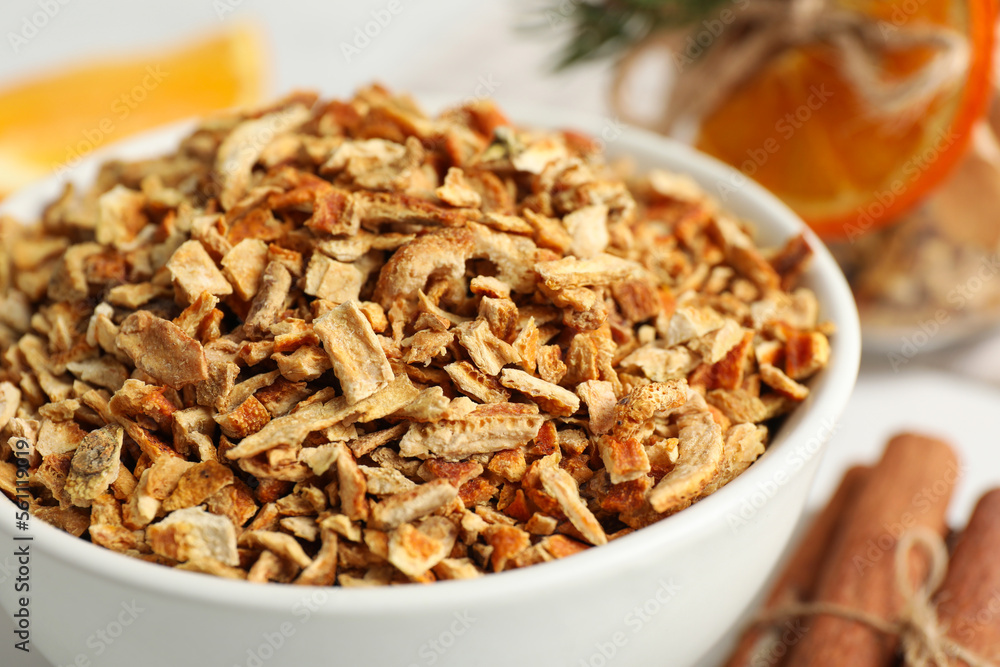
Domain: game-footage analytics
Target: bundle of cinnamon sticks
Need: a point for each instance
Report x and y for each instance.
(847, 560)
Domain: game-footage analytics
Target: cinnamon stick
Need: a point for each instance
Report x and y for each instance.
(762, 646)
(910, 487)
(968, 601)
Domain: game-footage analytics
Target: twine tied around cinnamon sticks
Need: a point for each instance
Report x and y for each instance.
(760, 30)
(922, 637)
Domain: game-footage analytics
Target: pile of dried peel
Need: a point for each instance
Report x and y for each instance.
(343, 342)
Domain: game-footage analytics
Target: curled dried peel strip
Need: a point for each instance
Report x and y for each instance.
(413, 504)
(634, 410)
(457, 192)
(270, 299)
(699, 458)
(572, 273)
(784, 385)
(560, 485)
(550, 397)
(241, 149)
(513, 256)
(290, 429)
(353, 484)
(323, 569)
(471, 381)
(279, 544)
(742, 445)
(743, 253)
(457, 440)
(442, 252)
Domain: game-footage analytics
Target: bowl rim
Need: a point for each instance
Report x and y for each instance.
(828, 400)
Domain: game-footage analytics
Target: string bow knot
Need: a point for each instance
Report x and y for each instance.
(923, 640)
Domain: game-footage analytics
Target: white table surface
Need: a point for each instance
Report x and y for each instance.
(453, 47)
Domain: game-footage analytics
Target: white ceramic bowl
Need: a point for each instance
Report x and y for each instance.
(661, 596)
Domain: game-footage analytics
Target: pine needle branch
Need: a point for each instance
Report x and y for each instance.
(600, 29)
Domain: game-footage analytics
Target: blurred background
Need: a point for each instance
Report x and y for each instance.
(423, 45)
(873, 119)
(255, 50)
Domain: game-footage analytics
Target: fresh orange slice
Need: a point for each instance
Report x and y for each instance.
(50, 122)
(800, 129)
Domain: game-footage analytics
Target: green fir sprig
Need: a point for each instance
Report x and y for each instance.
(600, 29)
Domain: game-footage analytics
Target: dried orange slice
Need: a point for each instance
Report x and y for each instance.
(800, 129)
(50, 122)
